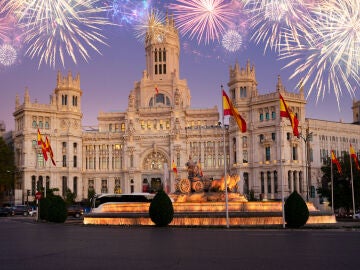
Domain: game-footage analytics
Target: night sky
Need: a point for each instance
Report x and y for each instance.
(107, 79)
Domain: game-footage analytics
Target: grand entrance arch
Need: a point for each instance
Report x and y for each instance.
(155, 171)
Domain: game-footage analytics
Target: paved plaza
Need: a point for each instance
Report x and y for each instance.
(27, 244)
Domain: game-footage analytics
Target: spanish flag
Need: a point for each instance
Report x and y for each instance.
(354, 156)
(43, 146)
(229, 109)
(336, 162)
(174, 167)
(49, 149)
(285, 111)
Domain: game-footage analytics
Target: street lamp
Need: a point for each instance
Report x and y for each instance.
(307, 138)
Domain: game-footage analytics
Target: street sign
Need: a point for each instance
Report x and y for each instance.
(38, 195)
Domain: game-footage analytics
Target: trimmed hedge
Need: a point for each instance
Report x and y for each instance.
(53, 209)
(161, 210)
(296, 211)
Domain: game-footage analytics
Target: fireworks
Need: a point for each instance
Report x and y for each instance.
(152, 25)
(127, 11)
(4, 26)
(206, 19)
(54, 29)
(329, 57)
(8, 55)
(275, 20)
(232, 41)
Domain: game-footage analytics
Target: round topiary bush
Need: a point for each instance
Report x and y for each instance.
(57, 211)
(44, 208)
(296, 211)
(161, 210)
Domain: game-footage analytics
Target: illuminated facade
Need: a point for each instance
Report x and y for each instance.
(132, 151)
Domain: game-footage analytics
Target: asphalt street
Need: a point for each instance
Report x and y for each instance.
(27, 244)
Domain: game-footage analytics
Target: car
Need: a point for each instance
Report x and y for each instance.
(6, 211)
(357, 215)
(75, 211)
(21, 210)
(33, 212)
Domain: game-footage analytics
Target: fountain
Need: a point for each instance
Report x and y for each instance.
(199, 201)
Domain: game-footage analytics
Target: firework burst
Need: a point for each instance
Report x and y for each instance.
(124, 12)
(232, 41)
(54, 29)
(4, 25)
(329, 57)
(8, 55)
(150, 25)
(205, 19)
(271, 19)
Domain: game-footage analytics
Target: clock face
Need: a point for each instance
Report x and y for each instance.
(160, 38)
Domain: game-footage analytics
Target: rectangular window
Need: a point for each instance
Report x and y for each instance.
(64, 161)
(267, 116)
(261, 117)
(273, 136)
(267, 153)
(91, 184)
(75, 185)
(75, 147)
(294, 153)
(273, 115)
(64, 186)
(104, 186)
(75, 161)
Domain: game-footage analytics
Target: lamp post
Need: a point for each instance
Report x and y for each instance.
(307, 138)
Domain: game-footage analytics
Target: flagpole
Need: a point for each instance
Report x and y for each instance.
(352, 185)
(225, 160)
(332, 185)
(282, 178)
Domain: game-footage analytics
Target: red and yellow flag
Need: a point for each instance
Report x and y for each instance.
(49, 149)
(174, 168)
(39, 138)
(354, 156)
(42, 144)
(285, 111)
(335, 161)
(229, 109)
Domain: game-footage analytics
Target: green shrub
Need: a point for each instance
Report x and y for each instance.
(161, 210)
(57, 210)
(296, 211)
(53, 209)
(44, 208)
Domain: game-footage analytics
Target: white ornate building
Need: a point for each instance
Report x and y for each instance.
(133, 150)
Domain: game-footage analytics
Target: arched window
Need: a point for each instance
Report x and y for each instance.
(159, 99)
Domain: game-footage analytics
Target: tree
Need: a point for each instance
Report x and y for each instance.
(296, 211)
(342, 183)
(70, 197)
(7, 166)
(161, 210)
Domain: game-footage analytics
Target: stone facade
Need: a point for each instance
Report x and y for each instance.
(133, 151)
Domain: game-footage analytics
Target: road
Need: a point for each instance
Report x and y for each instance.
(26, 244)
